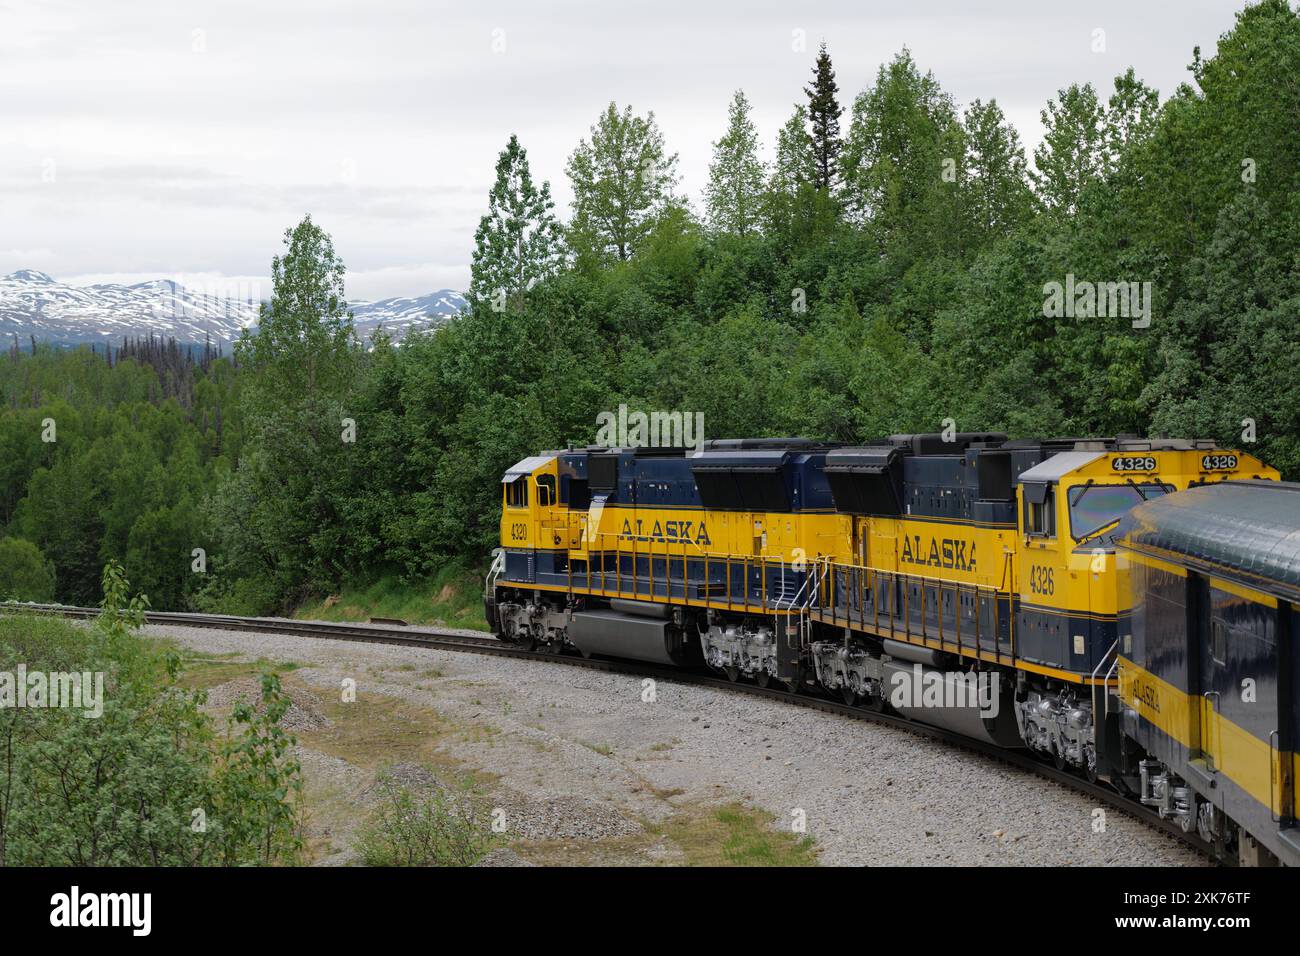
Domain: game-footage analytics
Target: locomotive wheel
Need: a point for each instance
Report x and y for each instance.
(848, 695)
(732, 672)
(875, 704)
(1058, 760)
(762, 678)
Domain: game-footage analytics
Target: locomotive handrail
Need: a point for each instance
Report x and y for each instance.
(826, 603)
(1105, 697)
(922, 577)
(744, 560)
(794, 601)
(1101, 662)
(495, 570)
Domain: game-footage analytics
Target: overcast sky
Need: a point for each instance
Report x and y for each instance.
(163, 138)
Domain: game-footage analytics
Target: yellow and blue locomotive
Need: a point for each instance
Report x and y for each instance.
(964, 580)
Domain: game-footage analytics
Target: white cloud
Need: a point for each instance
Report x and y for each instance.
(176, 151)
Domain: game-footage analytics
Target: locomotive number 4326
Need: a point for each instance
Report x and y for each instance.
(1040, 580)
(1134, 463)
(1218, 462)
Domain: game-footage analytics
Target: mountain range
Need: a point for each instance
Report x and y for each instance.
(34, 304)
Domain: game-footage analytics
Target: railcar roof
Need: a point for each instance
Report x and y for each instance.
(1251, 528)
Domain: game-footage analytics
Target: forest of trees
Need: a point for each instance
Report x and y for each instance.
(884, 268)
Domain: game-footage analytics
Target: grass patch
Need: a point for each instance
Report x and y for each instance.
(731, 835)
(453, 598)
(200, 673)
(735, 835)
(375, 731)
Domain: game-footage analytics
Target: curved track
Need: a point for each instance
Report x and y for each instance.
(436, 639)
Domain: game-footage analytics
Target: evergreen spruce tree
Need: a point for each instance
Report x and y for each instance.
(518, 241)
(824, 113)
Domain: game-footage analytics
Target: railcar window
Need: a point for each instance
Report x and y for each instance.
(1219, 642)
(1093, 507)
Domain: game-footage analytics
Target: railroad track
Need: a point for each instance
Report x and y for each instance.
(436, 639)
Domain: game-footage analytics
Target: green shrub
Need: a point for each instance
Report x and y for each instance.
(25, 575)
(150, 781)
(435, 828)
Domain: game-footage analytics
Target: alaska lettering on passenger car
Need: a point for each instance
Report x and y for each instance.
(943, 553)
(669, 532)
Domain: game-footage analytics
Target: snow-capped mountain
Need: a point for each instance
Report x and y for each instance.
(402, 315)
(34, 304)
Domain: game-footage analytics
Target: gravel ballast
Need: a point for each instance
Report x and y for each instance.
(582, 755)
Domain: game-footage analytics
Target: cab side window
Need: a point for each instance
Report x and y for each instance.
(1040, 510)
(517, 493)
(545, 490)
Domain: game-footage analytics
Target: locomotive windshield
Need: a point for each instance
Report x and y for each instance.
(1093, 507)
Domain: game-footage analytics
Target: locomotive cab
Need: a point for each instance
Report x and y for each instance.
(531, 514)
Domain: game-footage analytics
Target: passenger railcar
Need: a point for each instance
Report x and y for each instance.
(1207, 677)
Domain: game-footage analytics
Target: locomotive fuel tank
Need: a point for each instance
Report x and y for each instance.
(977, 705)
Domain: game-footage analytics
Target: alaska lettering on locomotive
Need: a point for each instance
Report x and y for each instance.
(668, 532)
(954, 554)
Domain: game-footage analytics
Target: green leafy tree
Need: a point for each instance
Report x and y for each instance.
(518, 241)
(903, 162)
(1229, 351)
(795, 210)
(998, 197)
(734, 191)
(1131, 114)
(795, 165)
(1072, 154)
(278, 513)
(621, 179)
(303, 347)
(25, 575)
